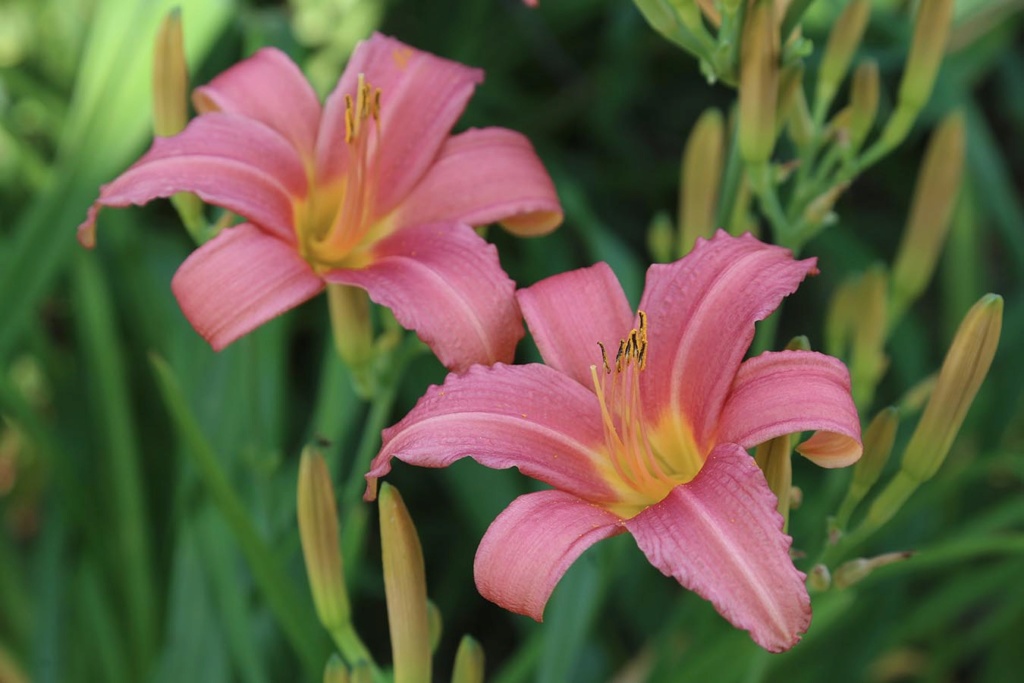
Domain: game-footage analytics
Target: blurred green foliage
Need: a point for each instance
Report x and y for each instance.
(147, 484)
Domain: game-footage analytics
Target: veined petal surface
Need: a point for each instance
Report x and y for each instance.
(483, 176)
(444, 282)
(239, 280)
(569, 313)
(267, 87)
(229, 161)
(531, 544)
(787, 392)
(525, 416)
(422, 96)
(720, 536)
(701, 312)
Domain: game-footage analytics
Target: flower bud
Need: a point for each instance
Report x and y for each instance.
(791, 81)
(436, 624)
(336, 671)
(774, 459)
(759, 82)
(841, 317)
(318, 530)
(353, 333)
(846, 35)
(405, 587)
(966, 364)
(170, 77)
(878, 441)
(661, 238)
(819, 210)
(857, 570)
(931, 212)
(863, 102)
(819, 579)
(800, 125)
(701, 178)
(362, 673)
(469, 662)
(867, 357)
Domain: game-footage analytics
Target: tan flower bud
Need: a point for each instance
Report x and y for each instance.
(759, 82)
(857, 570)
(405, 587)
(318, 530)
(469, 662)
(661, 238)
(701, 177)
(863, 102)
(846, 35)
(774, 459)
(931, 213)
(170, 77)
(867, 357)
(878, 441)
(931, 30)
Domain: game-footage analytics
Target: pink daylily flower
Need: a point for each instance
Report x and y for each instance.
(368, 190)
(649, 439)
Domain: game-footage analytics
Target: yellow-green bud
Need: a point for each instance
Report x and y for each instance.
(170, 77)
(336, 671)
(819, 578)
(405, 587)
(878, 441)
(701, 177)
(318, 530)
(846, 35)
(915, 397)
(774, 459)
(857, 570)
(841, 317)
(436, 623)
(867, 358)
(362, 673)
(931, 213)
(469, 662)
(661, 238)
(791, 81)
(800, 125)
(963, 370)
(863, 102)
(819, 210)
(931, 29)
(759, 82)
(353, 333)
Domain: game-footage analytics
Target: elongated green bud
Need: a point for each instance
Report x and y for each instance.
(701, 177)
(843, 41)
(436, 623)
(791, 82)
(405, 587)
(878, 441)
(170, 77)
(867, 358)
(931, 213)
(318, 530)
(336, 671)
(661, 238)
(857, 570)
(863, 102)
(469, 662)
(841, 317)
(759, 82)
(774, 457)
(352, 330)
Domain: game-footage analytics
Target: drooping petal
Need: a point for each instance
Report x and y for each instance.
(239, 280)
(701, 312)
(526, 416)
(445, 282)
(569, 313)
(484, 176)
(794, 391)
(720, 536)
(532, 543)
(422, 96)
(269, 88)
(229, 161)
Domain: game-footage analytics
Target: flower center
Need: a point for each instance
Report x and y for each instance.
(646, 477)
(339, 213)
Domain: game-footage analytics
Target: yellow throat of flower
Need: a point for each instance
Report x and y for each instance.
(337, 216)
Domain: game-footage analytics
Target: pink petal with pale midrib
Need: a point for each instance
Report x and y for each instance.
(239, 280)
(445, 282)
(531, 544)
(525, 416)
(229, 161)
(720, 536)
(702, 311)
(483, 176)
(269, 88)
(789, 392)
(568, 314)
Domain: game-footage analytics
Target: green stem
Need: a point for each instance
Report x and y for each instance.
(270, 577)
(764, 187)
(353, 649)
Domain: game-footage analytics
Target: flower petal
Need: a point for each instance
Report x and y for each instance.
(269, 88)
(445, 282)
(239, 280)
(701, 312)
(532, 543)
(720, 536)
(568, 314)
(229, 161)
(421, 98)
(526, 416)
(483, 176)
(794, 391)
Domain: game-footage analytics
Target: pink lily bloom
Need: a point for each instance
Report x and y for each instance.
(648, 439)
(369, 190)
